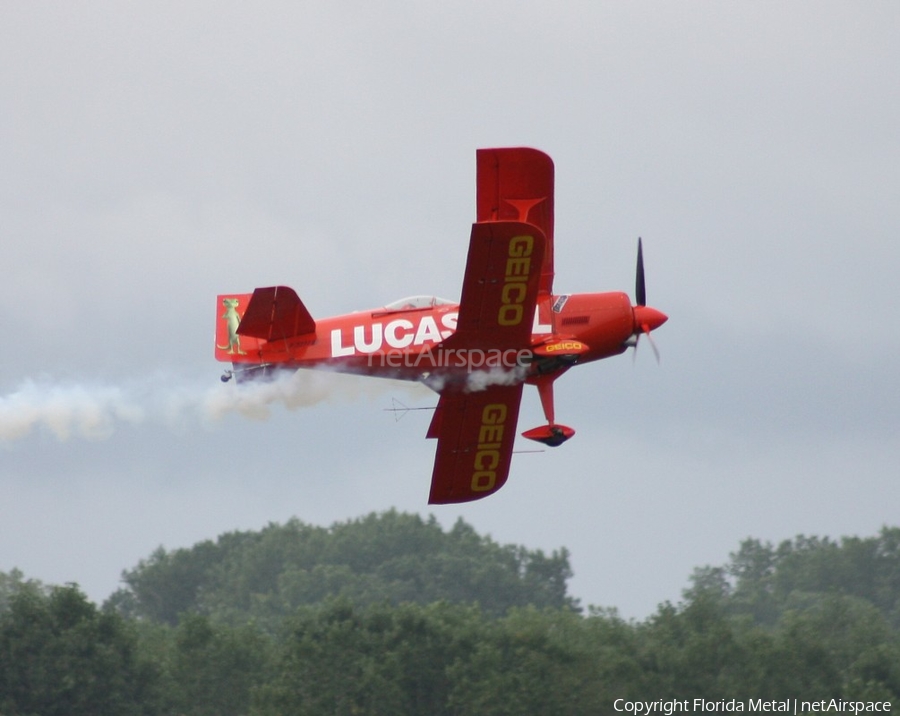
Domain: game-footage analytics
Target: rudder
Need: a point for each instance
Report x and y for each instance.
(230, 347)
(245, 320)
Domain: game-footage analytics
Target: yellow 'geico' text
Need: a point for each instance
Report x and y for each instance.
(487, 452)
(515, 281)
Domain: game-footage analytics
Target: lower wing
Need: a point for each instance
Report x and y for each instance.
(475, 433)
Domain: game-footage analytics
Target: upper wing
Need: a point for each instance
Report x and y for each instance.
(517, 184)
(476, 429)
(475, 434)
(500, 286)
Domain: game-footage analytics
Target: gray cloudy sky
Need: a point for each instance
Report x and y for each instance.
(153, 155)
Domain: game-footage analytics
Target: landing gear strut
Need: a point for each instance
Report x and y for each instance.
(552, 434)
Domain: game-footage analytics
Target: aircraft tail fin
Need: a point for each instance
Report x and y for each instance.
(268, 314)
(229, 347)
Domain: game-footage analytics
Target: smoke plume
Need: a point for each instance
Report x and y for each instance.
(94, 412)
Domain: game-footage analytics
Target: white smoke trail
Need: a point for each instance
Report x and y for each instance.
(476, 380)
(95, 411)
(299, 389)
(479, 380)
(91, 412)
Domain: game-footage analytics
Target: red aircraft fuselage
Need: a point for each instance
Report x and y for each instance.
(403, 340)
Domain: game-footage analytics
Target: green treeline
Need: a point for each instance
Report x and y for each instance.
(389, 557)
(390, 614)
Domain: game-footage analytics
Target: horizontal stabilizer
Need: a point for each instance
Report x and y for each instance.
(276, 313)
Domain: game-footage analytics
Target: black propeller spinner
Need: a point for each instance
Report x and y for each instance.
(646, 319)
(640, 290)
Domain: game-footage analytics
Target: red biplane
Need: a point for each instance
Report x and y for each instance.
(508, 329)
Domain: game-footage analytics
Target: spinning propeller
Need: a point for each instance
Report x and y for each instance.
(646, 319)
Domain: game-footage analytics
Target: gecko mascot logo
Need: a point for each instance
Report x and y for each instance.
(232, 320)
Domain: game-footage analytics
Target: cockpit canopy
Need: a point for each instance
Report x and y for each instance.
(411, 303)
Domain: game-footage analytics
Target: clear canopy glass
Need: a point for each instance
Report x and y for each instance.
(413, 302)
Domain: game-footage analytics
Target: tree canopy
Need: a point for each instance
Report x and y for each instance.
(345, 620)
(765, 582)
(389, 557)
(59, 654)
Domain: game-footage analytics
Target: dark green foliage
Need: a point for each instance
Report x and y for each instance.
(444, 659)
(14, 583)
(763, 582)
(534, 662)
(813, 618)
(60, 655)
(339, 659)
(208, 668)
(389, 557)
(389, 614)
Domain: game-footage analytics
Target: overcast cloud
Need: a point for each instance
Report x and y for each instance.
(154, 155)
